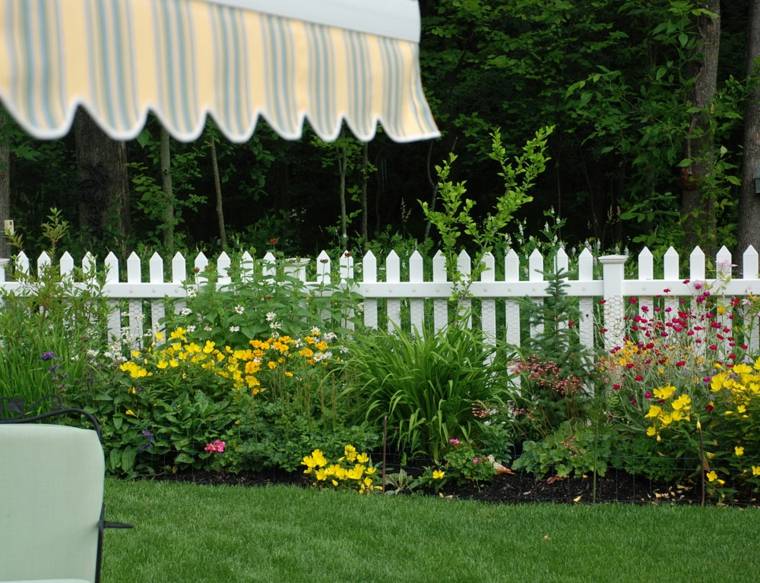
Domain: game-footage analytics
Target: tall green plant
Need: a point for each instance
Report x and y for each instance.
(427, 387)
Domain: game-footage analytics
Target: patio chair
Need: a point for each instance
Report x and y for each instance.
(51, 500)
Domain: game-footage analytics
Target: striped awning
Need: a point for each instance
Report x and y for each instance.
(237, 60)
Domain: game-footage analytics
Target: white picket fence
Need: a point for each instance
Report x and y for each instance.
(145, 297)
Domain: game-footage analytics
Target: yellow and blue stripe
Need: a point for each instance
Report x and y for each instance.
(184, 59)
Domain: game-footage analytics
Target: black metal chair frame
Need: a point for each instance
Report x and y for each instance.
(102, 523)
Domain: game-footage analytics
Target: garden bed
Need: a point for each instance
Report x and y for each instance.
(519, 487)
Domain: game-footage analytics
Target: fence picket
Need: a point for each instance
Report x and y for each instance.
(111, 264)
(512, 274)
(561, 265)
(464, 267)
(67, 266)
(134, 276)
(269, 267)
(157, 312)
(750, 261)
(670, 273)
(393, 275)
(369, 275)
(488, 306)
(440, 306)
(223, 263)
(43, 262)
(246, 267)
(416, 305)
(179, 277)
(199, 267)
(697, 277)
(22, 263)
(586, 305)
(536, 273)
(723, 274)
(346, 277)
(646, 303)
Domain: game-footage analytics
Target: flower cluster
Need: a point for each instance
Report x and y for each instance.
(547, 375)
(216, 446)
(668, 408)
(353, 470)
(245, 368)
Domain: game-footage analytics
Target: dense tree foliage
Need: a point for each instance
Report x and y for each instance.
(648, 100)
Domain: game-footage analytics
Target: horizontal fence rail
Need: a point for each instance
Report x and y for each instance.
(414, 293)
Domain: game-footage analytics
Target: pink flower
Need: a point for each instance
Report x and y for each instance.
(216, 446)
(476, 460)
(648, 395)
(454, 441)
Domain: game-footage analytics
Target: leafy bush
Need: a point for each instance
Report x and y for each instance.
(428, 387)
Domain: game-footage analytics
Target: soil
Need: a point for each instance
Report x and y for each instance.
(516, 488)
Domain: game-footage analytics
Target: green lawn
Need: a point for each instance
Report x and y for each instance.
(201, 533)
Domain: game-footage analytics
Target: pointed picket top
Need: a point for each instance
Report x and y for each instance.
(156, 268)
(22, 263)
(512, 266)
(750, 263)
(369, 267)
(246, 266)
(43, 262)
(179, 268)
(489, 268)
(723, 262)
(134, 274)
(697, 264)
(439, 267)
(464, 264)
(416, 267)
(323, 268)
(562, 261)
(670, 261)
(536, 266)
(89, 265)
(111, 263)
(646, 265)
(392, 267)
(223, 267)
(269, 265)
(346, 263)
(586, 265)
(66, 264)
(200, 265)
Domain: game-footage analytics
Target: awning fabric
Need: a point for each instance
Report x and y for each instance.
(236, 60)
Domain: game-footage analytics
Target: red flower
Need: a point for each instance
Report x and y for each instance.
(638, 378)
(602, 302)
(681, 363)
(629, 365)
(273, 241)
(666, 290)
(648, 395)
(713, 347)
(710, 407)
(616, 387)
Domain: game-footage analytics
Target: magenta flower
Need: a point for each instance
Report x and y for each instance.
(216, 446)
(454, 441)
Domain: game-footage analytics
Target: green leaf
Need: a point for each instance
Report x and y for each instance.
(183, 458)
(128, 459)
(683, 39)
(685, 163)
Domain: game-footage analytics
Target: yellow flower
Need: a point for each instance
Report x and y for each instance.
(721, 310)
(130, 413)
(712, 476)
(160, 336)
(682, 402)
(162, 364)
(651, 431)
(367, 481)
(741, 409)
(370, 470)
(350, 452)
(178, 334)
(288, 374)
(272, 365)
(738, 451)
(438, 474)
(362, 458)
(321, 475)
(664, 393)
(654, 411)
(756, 470)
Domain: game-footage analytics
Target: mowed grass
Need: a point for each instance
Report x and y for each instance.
(209, 533)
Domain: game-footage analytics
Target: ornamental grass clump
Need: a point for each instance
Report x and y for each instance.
(430, 388)
(352, 471)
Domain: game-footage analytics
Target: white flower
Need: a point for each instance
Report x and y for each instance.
(315, 331)
(271, 316)
(92, 353)
(207, 328)
(185, 312)
(330, 336)
(234, 328)
(275, 325)
(239, 309)
(298, 343)
(191, 329)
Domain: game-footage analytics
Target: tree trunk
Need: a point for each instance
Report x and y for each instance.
(166, 182)
(218, 189)
(365, 205)
(749, 203)
(5, 187)
(103, 182)
(697, 205)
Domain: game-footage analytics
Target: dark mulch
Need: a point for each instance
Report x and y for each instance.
(518, 488)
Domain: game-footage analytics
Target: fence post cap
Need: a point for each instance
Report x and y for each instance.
(613, 259)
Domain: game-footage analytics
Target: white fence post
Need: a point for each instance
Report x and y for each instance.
(369, 275)
(393, 275)
(440, 307)
(416, 305)
(613, 272)
(750, 271)
(512, 308)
